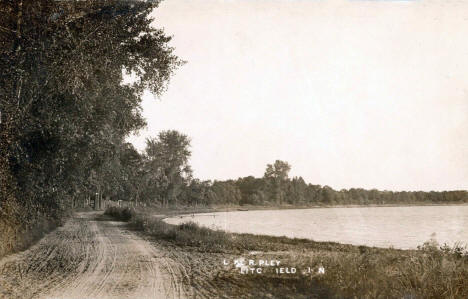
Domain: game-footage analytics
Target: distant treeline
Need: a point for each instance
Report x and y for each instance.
(161, 176)
(257, 191)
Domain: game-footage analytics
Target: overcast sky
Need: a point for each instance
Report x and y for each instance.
(370, 94)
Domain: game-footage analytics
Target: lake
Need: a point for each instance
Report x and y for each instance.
(400, 227)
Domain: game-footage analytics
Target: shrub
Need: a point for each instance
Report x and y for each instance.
(122, 214)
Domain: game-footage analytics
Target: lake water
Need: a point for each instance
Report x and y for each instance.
(400, 227)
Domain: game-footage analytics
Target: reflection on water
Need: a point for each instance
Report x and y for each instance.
(400, 227)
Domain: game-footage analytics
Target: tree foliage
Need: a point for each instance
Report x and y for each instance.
(276, 188)
(64, 108)
(275, 175)
(273, 189)
(167, 164)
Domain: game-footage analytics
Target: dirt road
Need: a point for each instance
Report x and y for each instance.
(91, 257)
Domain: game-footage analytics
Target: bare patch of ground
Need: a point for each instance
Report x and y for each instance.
(92, 257)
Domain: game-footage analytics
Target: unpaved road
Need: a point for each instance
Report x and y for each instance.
(91, 257)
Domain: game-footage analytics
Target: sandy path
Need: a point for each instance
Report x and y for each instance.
(92, 258)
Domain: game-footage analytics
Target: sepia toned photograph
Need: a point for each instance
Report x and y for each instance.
(234, 149)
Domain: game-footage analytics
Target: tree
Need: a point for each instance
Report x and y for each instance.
(64, 109)
(199, 193)
(296, 191)
(250, 188)
(276, 175)
(226, 193)
(279, 170)
(168, 156)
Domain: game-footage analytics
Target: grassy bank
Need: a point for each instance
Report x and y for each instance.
(18, 234)
(17, 237)
(349, 271)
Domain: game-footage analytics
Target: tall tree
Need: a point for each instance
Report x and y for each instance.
(168, 156)
(276, 175)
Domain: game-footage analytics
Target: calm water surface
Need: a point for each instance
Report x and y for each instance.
(400, 227)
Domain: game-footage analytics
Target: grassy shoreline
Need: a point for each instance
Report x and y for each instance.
(349, 271)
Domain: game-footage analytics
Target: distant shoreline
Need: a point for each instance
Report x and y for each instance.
(180, 211)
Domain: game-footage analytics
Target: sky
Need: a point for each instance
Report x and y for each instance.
(370, 94)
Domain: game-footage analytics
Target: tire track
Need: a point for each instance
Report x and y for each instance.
(91, 258)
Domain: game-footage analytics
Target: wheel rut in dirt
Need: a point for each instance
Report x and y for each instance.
(90, 257)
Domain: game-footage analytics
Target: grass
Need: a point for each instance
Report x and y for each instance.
(432, 271)
(14, 238)
(188, 234)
